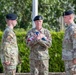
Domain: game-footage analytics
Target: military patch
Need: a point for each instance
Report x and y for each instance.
(9, 38)
(74, 35)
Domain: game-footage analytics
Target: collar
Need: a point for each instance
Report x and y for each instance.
(9, 28)
(39, 30)
(71, 24)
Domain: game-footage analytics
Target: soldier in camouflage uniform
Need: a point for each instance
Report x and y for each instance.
(38, 39)
(69, 43)
(9, 48)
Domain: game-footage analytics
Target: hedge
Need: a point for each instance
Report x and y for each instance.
(55, 62)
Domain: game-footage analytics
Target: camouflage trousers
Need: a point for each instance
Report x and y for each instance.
(70, 68)
(39, 67)
(9, 70)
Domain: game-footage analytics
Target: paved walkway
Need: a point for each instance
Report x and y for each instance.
(51, 73)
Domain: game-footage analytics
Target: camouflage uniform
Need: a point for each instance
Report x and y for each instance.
(39, 57)
(69, 49)
(9, 51)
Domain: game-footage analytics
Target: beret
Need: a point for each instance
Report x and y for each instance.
(38, 17)
(11, 16)
(69, 12)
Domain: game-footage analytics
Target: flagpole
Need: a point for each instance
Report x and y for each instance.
(34, 11)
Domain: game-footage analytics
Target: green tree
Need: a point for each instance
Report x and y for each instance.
(21, 7)
(51, 10)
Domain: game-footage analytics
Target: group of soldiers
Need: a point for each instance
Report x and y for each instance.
(38, 39)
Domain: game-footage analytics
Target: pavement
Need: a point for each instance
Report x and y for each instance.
(50, 73)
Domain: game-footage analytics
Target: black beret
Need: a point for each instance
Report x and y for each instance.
(38, 17)
(11, 16)
(69, 12)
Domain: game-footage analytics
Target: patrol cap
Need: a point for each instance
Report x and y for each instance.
(38, 17)
(11, 16)
(69, 12)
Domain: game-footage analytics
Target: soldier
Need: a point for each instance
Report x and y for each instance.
(38, 39)
(9, 48)
(69, 43)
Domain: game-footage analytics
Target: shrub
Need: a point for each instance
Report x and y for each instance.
(55, 61)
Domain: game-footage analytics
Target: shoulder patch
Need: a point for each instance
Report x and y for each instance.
(74, 35)
(9, 38)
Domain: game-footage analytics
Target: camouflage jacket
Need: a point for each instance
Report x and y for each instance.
(38, 48)
(69, 43)
(9, 48)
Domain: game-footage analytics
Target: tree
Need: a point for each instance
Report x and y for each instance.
(51, 10)
(21, 7)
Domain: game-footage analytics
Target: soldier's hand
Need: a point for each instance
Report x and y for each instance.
(7, 63)
(40, 36)
(74, 60)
